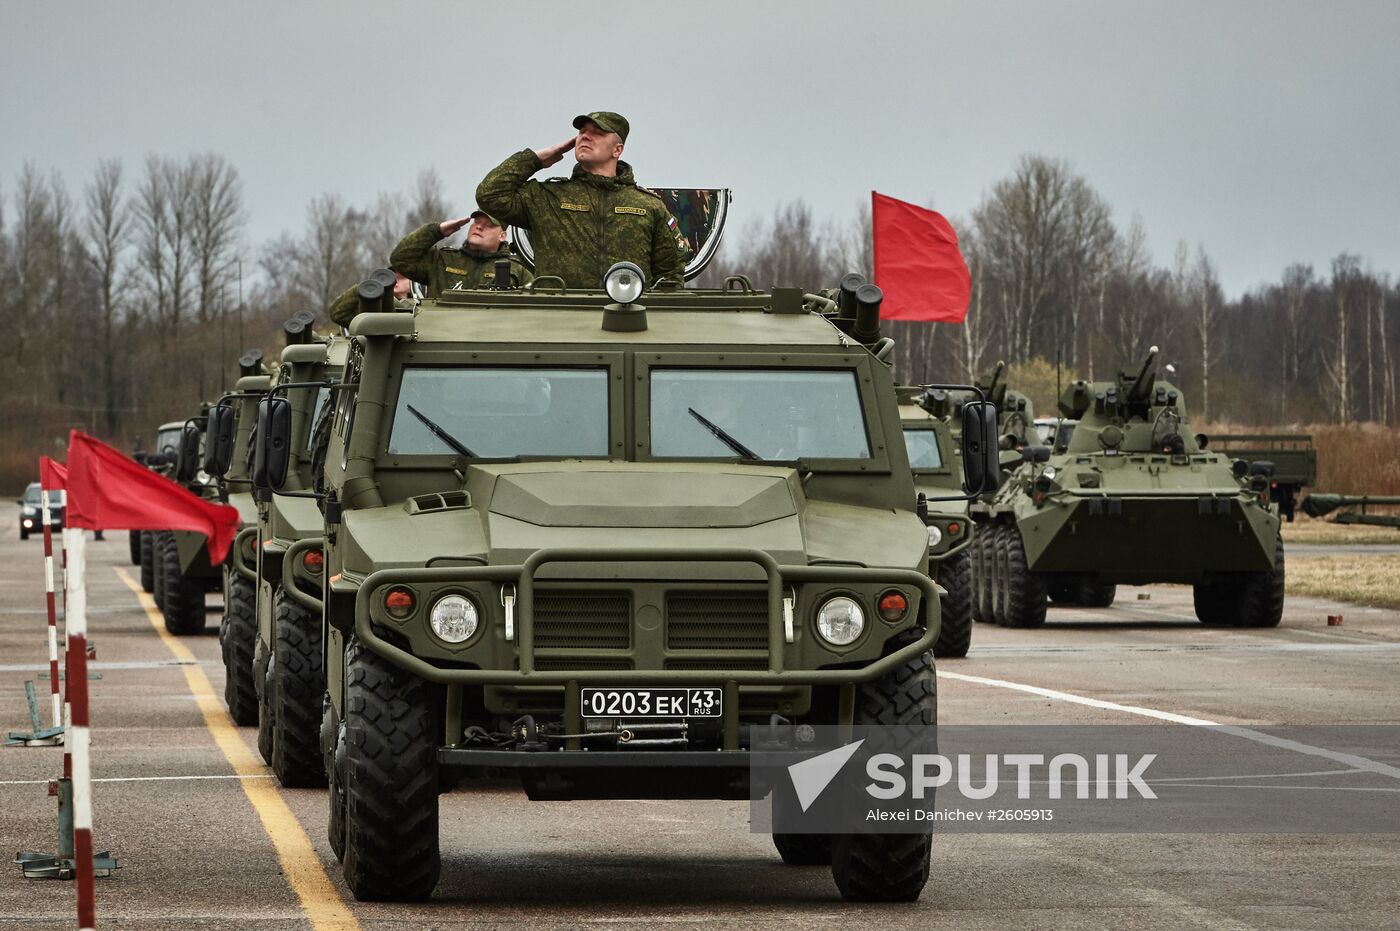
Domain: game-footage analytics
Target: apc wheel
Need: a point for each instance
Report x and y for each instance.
(889, 867)
(1025, 590)
(182, 602)
(1097, 594)
(262, 685)
(147, 560)
(133, 539)
(297, 684)
(237, 635)
(1216, 603)
(391, 783)
(955, 632)
(997, 590)
(981, 589)
(1261, 594)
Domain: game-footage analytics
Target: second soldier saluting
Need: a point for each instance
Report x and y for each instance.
(581, 225)
(473, 265)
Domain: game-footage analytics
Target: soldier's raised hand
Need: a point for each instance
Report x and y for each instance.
(554, 153)
(448, 227)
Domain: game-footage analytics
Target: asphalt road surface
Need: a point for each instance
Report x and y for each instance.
(205, 839)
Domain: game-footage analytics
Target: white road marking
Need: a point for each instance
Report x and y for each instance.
(1347, 759)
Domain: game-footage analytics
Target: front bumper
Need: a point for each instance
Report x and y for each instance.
(528, 673)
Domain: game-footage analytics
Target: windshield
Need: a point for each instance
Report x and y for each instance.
(168, 441)
(32, 496)
(500, 413)
(322, 396)
(757, 413)
(923, 449)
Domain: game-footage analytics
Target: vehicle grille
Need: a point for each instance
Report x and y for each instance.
(583, 620)
(574, 662)
(717, 621)
(699, 664)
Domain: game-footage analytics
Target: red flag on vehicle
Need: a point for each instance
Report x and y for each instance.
(917, 263)
(53, 476)
(109, 491)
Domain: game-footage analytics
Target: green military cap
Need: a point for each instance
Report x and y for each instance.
(483, 213)
(608, 122)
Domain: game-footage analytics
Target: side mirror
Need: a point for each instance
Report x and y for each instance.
(187, 457)
(218, 440)
(981, 469)
(274, 443)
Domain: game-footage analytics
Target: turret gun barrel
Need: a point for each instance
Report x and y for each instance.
(1143, 382)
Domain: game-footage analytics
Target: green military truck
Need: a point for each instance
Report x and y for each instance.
(924, 413)
(599, 545)
(184, 574)
(160, 459)
(1293, 456)
(228, 457)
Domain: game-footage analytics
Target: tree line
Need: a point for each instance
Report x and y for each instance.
(133, 296)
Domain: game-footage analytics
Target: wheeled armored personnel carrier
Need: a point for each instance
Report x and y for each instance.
(924, 413)
(1133, 499)
(599, 545)
(160, 459)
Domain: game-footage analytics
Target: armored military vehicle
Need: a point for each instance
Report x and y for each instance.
(288, 662)
(228, 456)
(1134, 499)
(600, 544)
(160, 459)
(183, 572)
(924, 414)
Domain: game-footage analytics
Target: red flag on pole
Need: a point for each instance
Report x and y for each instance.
(917, 263)
(109, 491)
(53, 476)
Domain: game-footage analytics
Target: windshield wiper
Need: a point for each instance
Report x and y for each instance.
(724, 437)
(440, 433)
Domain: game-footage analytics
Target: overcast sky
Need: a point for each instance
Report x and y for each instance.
(1265, 131)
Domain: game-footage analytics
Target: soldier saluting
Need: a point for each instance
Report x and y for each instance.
(472, 265)
(583, 224)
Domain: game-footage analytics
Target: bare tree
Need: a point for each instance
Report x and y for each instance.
(1346, 270)
(1201, 292)
(107, 227)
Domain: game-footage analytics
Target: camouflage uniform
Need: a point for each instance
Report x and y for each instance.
(579, 226)
(442, 269)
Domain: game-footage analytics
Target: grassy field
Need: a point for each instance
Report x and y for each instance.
(1363, 580)
(1307, 530)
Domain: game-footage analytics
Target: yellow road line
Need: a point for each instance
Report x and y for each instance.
(300, 862)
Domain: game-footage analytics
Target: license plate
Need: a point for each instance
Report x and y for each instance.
(652, 703)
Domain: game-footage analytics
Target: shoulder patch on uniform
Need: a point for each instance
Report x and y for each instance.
(636, 211)
(454, 271)
(583, 208)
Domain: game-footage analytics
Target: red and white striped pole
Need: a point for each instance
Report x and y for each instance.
(78, 736)
(53, 610)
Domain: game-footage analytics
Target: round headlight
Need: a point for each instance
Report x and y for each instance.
(624, 282)
(454, 618)
(840, 621)
(935, 536)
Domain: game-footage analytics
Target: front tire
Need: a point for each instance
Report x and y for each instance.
(1026, 596)
(133, 539)
(182, 601)
(237, 637)
(391, 782)
(158, 568)
(298, 684)
(1261, 593)
(955, 629)
(147, 560)
(889, 867)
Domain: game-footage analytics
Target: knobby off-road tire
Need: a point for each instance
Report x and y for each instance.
(798, 849)
(1216, 603)
(1025, 590)
(158, 567)
(391, 782)
(262, 685)
(182, 601)
(1261, 593)
(238, 633)
(133, 539)
(955, 631)
(981, 608)
(333, 758)
(147, 560)
(295, 689)
(889, 867)
(1097, 594)
(997, 547)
